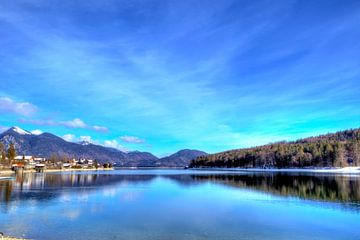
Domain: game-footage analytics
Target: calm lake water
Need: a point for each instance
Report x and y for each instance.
(180, 204)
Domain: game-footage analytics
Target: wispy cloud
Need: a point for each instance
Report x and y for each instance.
(230, 74)
(8, 105)
(3, 129)
(100, 128)
(75, 123)
(132, 139)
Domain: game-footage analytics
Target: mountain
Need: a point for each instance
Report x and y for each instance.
(339, 149)
(47, 144)
(181, 158)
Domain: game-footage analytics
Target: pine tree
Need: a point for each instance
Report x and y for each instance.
(340, 160)
(356, 154)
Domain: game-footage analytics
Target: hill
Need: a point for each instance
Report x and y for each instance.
(339, 149)
(180, 158)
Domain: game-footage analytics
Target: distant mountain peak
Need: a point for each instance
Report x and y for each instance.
(19, 131)
(180, 158)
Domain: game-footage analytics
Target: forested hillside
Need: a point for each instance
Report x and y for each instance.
(340, 149)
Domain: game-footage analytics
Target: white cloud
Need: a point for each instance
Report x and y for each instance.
(73, 138)
(115, 144)
(132, 139)
(75, 123)
(85, 138)
(21, 108)
(69, 137)
(37, 132)
(107, 143)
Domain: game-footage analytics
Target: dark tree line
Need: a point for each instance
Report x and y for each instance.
(340, 149)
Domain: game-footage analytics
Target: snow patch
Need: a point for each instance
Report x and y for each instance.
(21, 131)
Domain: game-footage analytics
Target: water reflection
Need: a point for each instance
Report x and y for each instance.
(325, 188)
(44, 187)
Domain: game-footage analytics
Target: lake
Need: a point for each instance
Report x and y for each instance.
(181, 204)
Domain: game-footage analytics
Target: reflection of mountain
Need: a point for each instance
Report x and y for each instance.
(44, 187)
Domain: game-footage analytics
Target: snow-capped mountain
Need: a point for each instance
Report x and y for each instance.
(47, 144)
(20, 131)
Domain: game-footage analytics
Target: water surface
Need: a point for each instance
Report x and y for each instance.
(180, 204)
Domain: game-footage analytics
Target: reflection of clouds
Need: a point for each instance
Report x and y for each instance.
(83, 197)
(131, 196)
(65, 197)
(124, 184)
(97, 208)
(33, 205)
(110, 192)
(72, 214)
(13, 208)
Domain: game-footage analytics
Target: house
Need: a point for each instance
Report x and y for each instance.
(40, 167)
(39, 160)
(23, 157)
(24, 160)
(66, 165)
(90, 162)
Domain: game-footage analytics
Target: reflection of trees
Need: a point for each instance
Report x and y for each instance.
(44, 187)
(5, 191)
(326, 188)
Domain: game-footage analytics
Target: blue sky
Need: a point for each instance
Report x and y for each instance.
(160, 76)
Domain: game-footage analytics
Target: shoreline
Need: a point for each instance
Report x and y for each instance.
(4, 237)
(12, 238)
(9, 173)
(345, 170)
